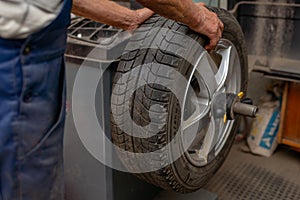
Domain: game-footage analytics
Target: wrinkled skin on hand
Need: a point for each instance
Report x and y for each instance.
(210, 25)
(196, 15)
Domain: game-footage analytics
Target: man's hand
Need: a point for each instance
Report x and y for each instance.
(209, 25)
(111, 13)
(141, 16)
(195, 15)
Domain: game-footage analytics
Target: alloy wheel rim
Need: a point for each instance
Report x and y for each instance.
(221, 75)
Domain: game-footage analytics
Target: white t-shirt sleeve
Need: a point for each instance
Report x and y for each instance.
(19, 18)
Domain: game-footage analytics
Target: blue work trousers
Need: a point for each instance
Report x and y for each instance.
(32, 112)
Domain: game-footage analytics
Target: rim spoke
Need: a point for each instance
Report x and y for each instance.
(218, 132)
(233, 82)
(201, 129)
(207, 143)
(205, 72)
(225, 71)
(215, 130)
(201, 109)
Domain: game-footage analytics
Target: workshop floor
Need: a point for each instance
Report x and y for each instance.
(247, 176)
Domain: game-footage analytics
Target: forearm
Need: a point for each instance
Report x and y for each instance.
(111, 13)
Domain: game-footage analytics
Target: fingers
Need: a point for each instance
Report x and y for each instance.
(222, 26)
(214, 38)
(141, 15)
(210, 25)
(212, 44)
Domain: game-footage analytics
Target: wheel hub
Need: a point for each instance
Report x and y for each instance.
(236, 105)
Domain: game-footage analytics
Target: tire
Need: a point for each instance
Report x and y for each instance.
(156, 42)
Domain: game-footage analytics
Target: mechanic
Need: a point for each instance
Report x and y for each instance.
(32, 91)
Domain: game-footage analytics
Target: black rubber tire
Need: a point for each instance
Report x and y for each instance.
(181, 176)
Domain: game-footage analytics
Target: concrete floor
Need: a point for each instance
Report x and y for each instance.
(248, 176)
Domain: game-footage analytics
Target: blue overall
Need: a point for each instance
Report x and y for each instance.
(32, 112)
